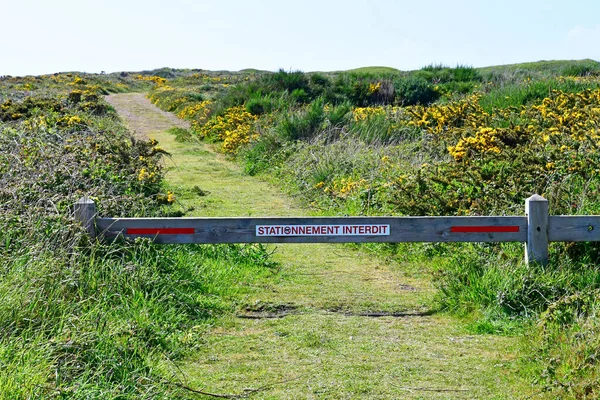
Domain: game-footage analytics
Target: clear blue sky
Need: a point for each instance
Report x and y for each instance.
(39, 37)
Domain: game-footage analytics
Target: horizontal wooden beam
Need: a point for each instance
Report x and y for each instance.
(318, 229)
(535, 229)
(576, 228)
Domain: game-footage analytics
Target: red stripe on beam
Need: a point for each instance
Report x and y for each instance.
(484, 229)
(160, 231)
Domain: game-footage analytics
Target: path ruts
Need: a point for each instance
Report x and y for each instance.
(339, 323)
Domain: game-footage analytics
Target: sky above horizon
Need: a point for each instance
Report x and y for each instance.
(129, 35)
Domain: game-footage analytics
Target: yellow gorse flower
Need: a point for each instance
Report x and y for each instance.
(234, 128)
(364, 113)
(170, 197)
(158, 81)
(471, 128)
(198, 111)
(374, 87)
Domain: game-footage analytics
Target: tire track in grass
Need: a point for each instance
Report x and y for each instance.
(325, 343)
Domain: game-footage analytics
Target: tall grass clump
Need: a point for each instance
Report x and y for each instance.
(530, 92)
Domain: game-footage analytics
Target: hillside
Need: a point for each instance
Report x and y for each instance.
(80, 318)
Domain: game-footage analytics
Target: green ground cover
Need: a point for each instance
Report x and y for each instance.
(81, 319)
(437, 141)
(332, 321)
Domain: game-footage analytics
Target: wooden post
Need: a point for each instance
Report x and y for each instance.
(536, 248)
(85, 213)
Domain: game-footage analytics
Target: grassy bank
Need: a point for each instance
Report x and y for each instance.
(79, 319)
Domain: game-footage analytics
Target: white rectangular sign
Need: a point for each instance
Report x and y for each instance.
(323, 230)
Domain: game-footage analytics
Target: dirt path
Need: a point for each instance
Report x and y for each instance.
(322, 345)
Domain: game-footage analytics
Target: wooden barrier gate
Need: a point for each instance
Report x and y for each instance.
(536, 229)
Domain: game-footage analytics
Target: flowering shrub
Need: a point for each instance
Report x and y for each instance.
(560, 117)
(374, 87)
(364, 113)
(157, 80)
(469, 161)
(234, 128)
(343, 187)
(198, 111)
(53, 151)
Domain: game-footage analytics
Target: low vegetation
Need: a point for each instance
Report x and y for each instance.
(437, 141)
(79, 319)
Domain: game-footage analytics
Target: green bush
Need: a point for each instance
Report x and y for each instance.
(340, 114)
(414, 90)
(258, 104)
(237, 95)
(181, 134)
(262, 155)
(439, 74)
(196, 97)
(288, 81)
(581, 70)
(464, 73)
(358, 93)
(319, 82)
(303, 124)
(299, 96)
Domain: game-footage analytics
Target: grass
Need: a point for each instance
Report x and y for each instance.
(492, 138)
(337, 356)
(531, 92)
(375, 70)
(321, 347)
(111, 316)
(79, 319)
(552, 67)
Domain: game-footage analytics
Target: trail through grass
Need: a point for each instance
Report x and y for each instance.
(305, 333)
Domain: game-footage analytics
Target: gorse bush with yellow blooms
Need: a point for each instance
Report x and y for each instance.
(489, 162)
(364, 113)
(475, 131)
(53, 151)
(157, 80)
(68, 125)
(234, 129)
(198, 112)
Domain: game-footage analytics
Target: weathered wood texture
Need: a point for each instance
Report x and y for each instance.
(243, 230)
(85, 213)
(567, 228)
(536, 247)
(535, 229)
